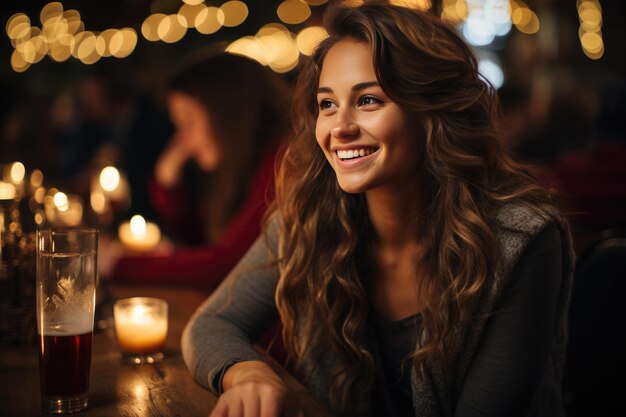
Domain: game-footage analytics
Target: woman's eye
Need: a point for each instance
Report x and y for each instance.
(368, 100)
(325, 104)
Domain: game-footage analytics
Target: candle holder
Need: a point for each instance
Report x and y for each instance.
(141, 328)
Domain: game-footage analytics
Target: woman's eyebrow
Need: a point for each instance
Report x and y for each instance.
(364, 85)
(356, 87)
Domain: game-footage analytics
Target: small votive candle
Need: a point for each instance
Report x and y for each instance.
(139, 235)
(141, 328)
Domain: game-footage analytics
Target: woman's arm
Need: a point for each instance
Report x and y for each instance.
(216, 343)
(508, 367)
(221, 331)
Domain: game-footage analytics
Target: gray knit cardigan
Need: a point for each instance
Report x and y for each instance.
(221, 329)
(434, 396)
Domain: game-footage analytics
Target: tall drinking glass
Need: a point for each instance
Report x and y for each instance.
(66, 298)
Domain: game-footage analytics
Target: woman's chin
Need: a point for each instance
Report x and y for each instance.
(351, 187)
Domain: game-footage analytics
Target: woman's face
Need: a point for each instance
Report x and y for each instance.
(193, 130)
(367, 138)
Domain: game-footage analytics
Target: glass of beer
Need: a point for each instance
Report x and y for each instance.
(66, 298)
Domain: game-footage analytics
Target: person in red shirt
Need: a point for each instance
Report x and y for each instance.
(214, 181)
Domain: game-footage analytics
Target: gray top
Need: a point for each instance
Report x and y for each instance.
(222, 329)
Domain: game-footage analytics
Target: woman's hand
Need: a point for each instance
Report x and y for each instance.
(252, 389)
(168, 168)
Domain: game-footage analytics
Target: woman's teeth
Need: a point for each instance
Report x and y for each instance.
(355, 153)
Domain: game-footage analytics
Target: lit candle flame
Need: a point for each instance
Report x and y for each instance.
(139, 311)
(60, 200)
(138, 226)
(109, 178)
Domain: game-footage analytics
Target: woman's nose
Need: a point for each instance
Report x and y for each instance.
(344, 125)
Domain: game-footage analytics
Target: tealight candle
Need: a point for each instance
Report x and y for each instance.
(139, 235)
(141, 328)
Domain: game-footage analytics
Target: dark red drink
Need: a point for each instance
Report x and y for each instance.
(64, 363)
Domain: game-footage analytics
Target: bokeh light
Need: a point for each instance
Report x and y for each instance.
(103, 44)
(138, 225)
(416, 4)
(150, 27)
(209, 20)
(454, 10)
(190, 12)
(235, 13)
(308, 39)
(590, 30)
(172, 28)
(98, 201)
(18, 63)
(50, 11)
(109, 178)
(248, 46)
(17, 172)
(61, 201)
(36, 178)
(490, 69)
(18, 26)
(279, 47)
(484, 20)
(7, 191)
(123, 43)
(293, 12)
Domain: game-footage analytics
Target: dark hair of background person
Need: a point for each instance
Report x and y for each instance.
(326, 237)
(247, 105)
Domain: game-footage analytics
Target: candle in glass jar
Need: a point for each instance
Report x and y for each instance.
(141, 327)
(139, 235)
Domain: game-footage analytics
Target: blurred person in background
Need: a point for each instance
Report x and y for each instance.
(213, 181)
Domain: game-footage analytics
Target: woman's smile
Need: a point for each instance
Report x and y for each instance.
(355, 157)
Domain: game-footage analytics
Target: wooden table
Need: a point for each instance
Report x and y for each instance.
(120, 389)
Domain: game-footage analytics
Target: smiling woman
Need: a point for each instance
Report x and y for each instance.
(368, 139)
(417, 270)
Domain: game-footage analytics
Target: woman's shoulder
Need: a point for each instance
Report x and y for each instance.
(517, 217)
(518, 226)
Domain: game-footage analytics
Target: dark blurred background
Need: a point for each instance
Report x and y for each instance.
(559, 66)
(69, 107)
(81, 89)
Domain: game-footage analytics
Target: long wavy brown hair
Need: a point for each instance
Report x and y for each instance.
(326, 239)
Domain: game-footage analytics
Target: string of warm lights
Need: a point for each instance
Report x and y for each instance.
(590, 33)
(62, 33)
